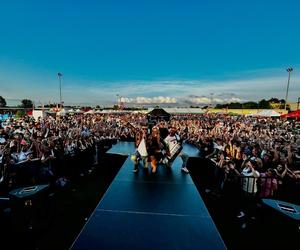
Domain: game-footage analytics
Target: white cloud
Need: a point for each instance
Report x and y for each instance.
(192, 99)
(150, 100)
(43, 87)
(239, 89)
(198, 100)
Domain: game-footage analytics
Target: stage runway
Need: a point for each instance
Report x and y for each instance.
(127, 148)
(150, 211)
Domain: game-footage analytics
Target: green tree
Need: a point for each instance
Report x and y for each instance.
(250, 105)
(20, 113)
(276, 103)
(26, 103)
(274, 99)
(221, 106)
(2, 102)
(264, 104)
(282, 103)
(234, 105)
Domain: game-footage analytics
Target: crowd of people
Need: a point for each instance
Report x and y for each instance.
(52, 149)
(270, 146)
(238, 146)
(253, 157)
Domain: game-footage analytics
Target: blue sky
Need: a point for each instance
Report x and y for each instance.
(149, 51)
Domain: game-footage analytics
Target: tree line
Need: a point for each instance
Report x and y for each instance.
(25, 103)
(273, 103)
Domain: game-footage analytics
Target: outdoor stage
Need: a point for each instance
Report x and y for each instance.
(150, 211)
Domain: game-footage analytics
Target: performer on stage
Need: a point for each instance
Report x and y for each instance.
(174, 148)
(154, 148)
(141, 149)
(163, 130)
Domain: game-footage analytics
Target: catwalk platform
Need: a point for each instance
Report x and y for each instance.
(150, 211)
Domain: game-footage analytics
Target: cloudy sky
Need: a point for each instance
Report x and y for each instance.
(167, 52)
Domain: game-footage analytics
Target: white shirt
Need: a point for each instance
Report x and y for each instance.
(249, 184)
(219, 147)
(171, 141)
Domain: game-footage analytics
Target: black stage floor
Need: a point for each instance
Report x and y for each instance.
(126, 148)
(150, 211)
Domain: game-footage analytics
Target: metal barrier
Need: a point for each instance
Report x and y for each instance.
(262, 186)
(34, 172)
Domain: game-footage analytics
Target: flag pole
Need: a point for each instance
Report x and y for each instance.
(60, 98)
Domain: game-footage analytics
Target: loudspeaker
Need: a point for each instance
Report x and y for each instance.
(28, 192)
(31, 208)
(283, 214)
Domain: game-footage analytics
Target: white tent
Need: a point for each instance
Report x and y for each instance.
(140, 112)
(175, 111)
(90, 112)
(61, 112)
(267, 113)
(78, 111)
(106, 111)
(111, 111)
(38, 114)
(71, 111)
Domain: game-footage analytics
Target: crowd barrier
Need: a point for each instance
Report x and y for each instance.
(259, 187)
(34, 171)
(26, 189)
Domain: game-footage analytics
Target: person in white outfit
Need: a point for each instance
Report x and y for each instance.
(249, 177)
(171, 141)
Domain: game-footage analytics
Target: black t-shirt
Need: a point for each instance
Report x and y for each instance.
(163, 133)
(153, 145)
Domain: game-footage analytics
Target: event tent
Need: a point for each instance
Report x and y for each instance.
(294, 114)
(71, 111)
(184, 110)
(78, 111)
(267, 113)
(90, 112)
(177, 111)
(110, 111)
(62, 112)
(158, 114)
